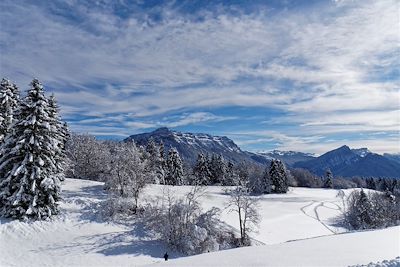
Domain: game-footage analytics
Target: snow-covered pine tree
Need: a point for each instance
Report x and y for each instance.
(359, 213)
(9, 102)
(29, 187)
(152, 148)
(328, 179)
(279, 177)
(174, 168)
(60, 133)
(217, 168)
(201, 170)
(156, 161)
(230, 174)
(266, 182)
(161, 171)
(370, 183)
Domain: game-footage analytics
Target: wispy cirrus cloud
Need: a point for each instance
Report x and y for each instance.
(122, 67)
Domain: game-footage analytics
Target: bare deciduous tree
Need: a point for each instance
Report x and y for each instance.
(246, 207)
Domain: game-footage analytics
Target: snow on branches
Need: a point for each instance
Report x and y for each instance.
(31, 159)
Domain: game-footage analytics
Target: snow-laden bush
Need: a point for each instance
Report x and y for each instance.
(181, 223)
(372, 210)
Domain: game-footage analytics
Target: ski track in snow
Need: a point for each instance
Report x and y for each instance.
(320, 204)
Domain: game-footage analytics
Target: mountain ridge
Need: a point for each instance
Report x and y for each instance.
(189, 145)
(342, 161)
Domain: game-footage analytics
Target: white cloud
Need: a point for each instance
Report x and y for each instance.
(330, 69)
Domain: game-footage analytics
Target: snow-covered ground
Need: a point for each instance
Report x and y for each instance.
(306, 217)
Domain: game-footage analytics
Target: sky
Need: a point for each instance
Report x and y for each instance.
(290, 75)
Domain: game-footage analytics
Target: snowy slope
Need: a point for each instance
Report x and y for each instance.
(79, 238)
(338, 250)
(75, 238)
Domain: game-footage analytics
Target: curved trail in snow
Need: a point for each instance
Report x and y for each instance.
(315, 210)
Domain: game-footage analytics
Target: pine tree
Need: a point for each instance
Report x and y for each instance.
(370, 183)
(229, 174)
(156, 161)
(201, 170)
(328, 179)
(363, 211)
(29, 187)
(60, 134)
(217, 168)
(279, 177)
(9, 102)
(174, 168)
(266, 182)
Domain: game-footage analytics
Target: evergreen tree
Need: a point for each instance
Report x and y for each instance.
(363, 210)
(156, 161)
(279, 177)
(229, 174)
(174, 168)
(328, 179)
(9, 102)
(266, 182)
(383, 184)
(152, 148)
(162, 162)
(29, 187)
(201, 170)
(60, 133)
(371, 183)
(217, 168)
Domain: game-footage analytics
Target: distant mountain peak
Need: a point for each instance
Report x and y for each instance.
(342, 148)
(162, 130)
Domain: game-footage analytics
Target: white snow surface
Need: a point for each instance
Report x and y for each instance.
(304, 217)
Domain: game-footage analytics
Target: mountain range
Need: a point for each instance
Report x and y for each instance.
(342, 161)
(347, 162)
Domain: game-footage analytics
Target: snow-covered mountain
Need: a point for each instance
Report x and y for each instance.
(347, 162)
(189, 145)
(288, 157)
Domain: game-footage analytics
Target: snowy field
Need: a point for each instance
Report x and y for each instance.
(305, 217)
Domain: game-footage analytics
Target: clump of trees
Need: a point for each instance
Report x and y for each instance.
(184, 226)
(372, 210)
(88, 158)
(127, 176)
(32, 152)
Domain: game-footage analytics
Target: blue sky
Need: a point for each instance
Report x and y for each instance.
(290, 75)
